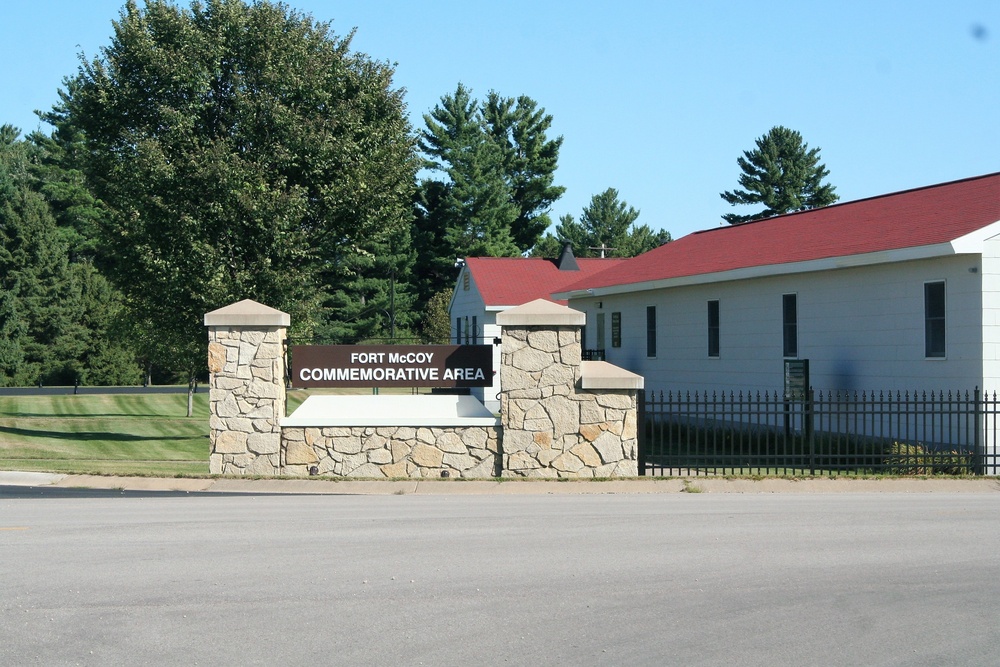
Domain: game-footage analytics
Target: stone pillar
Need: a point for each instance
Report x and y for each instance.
(562, 417)
(246, 363)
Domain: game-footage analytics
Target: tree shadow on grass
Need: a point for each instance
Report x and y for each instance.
(93, 436)
(93, 415)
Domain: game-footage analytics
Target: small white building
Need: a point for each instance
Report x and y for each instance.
(487, 286)
(900, 291)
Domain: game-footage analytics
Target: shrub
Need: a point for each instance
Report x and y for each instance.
(906, 459)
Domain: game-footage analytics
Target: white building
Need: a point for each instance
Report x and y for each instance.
(487, 286)
(900, 291)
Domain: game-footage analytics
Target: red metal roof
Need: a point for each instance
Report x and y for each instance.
(512, 281)
(920, 217)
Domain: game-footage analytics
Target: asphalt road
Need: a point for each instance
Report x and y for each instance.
(101, 578)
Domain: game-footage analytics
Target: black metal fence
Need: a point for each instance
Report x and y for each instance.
(749, 433)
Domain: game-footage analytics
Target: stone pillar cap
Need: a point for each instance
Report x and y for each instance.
(247, 313)
(541, 313)
(602, 375)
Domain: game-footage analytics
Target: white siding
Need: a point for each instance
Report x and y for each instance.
(490, 396)
(468, 303)
(990, 271)
(861, 329)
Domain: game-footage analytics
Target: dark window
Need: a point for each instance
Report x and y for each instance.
(466, 331)
(475, 330)
(458, 330)
(790, 325)
(713, 328)
(616, 329)
(650, 331)
(934, 319)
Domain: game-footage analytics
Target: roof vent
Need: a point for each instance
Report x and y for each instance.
(566, 261)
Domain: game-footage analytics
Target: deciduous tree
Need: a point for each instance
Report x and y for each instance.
(243, 151)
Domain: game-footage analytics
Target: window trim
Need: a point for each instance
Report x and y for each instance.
(790, 326)
(935, 325)
(650, 332)
(714, 329)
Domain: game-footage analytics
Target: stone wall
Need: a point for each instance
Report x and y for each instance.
(551, 427)
(246, 364)
(392, 451)
(560, 417)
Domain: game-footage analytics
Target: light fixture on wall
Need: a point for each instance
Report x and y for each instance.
(600, 304)
(973, 269)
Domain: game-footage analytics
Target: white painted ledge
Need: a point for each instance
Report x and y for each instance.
(420, 410)
(602, 375)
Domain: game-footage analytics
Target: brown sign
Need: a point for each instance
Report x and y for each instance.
(392, 366)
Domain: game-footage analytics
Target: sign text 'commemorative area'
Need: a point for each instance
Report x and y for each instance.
(392, 366)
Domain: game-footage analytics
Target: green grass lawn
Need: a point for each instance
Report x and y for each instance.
(112, 434)
(105, 434)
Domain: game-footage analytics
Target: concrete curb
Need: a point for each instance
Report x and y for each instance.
(651, 485)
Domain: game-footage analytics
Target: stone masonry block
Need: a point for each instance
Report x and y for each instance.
(300, 453)
(531, 360)
(546, 341)
(216, 357)
(609, 446)
(264, 443)
(426, 456)
(231, 442)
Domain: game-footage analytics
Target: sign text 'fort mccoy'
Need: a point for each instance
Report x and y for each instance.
(392, 366)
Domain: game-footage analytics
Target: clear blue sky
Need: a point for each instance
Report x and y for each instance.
(656, 99)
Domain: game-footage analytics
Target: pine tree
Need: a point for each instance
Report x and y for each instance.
(606, 229)
(782, 173)
(374, 300)
(530, 158)
(490, 189)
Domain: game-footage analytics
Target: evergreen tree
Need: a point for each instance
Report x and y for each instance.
(33, 269)
(13, 335)
(375, 299)
(55, 315)
(519, 128)
(492, 169)
(606, 229)
(783, 174)
(77, 212)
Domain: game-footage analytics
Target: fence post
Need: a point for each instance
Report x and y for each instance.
(810, 431)
(642, 434)
(979, 452)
